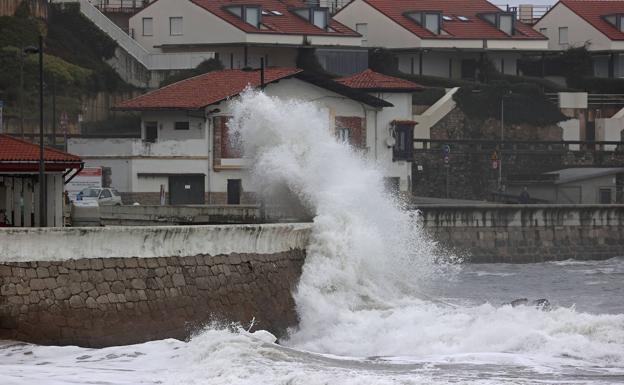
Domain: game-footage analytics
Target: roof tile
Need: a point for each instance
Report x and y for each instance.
(18, 150)
(473, 28)
(203, 90)
(371, 80)
(286, 23)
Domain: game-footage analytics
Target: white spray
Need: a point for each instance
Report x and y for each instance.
(368, 259)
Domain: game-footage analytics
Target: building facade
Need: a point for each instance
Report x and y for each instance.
(242, 34)
(597, 25)
(186, 150)
(445, 38)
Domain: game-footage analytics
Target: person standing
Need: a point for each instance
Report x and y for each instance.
(524, 197)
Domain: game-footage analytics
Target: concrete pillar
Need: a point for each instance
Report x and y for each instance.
(36, 188)
(28, 202)
(50, 200)
(58, 200)
(17, 202)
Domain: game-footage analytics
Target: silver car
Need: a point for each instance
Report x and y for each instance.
(103, 196)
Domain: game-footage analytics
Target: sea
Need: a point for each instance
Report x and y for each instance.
(378, 301)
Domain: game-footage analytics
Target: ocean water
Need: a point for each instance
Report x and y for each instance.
(378, 302)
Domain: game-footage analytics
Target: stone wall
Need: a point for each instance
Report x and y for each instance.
(527, 233)
(109, 296)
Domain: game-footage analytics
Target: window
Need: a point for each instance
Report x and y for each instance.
(404, 141)
(151, 132)
(175, 26)
(115, 193)
(362, 29)
(148, 26)
(563, 35)
(505, 23)
(447, 18)
(462, 18)
(616, 20)
(252, 16)
(432, 22)
(229, 143)
(105, 194)
(181, 125)
(319, 18)
(502, 20)
(543, 31)
(343, 134)
(429, 20)
(605, 196)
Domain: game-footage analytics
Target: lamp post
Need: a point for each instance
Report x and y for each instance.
(42, 184)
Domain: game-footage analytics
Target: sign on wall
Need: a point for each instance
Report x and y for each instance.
(89, 177)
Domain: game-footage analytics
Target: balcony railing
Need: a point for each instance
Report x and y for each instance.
(519, 146)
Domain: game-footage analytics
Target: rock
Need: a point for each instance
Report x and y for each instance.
(542, 304)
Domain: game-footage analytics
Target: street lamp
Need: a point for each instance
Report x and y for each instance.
(502, 138)
(42, 184)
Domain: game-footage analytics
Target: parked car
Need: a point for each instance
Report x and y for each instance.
(103, 196)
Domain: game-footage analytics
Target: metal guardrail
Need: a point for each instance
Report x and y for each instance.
(593, 99)
(488, 145)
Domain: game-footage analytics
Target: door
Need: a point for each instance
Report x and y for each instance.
(186, 190)
(468, 69)
(233, 191)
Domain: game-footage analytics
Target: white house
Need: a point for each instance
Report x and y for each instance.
(242, 33)
(596, 24)
(184, 144)
(446, 38)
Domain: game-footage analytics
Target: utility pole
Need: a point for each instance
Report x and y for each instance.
(42, 179)
(502, 138)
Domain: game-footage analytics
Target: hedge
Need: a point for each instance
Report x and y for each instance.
(524, 103)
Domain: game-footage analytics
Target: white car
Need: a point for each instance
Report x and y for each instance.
(103, 196)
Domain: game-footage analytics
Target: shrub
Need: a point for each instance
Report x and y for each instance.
(428, 96)
(599, 85)
(524, 103)
(204, 67)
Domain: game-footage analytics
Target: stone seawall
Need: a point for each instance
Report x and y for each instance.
(70, 287)
(527, 233)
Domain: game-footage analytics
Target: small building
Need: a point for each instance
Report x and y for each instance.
(596, 24)
(19, 182)
(185, 148)
(575, 186)
(446, 38)
(242, 33)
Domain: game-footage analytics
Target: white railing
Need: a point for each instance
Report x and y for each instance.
(149, 60)
(434, 114)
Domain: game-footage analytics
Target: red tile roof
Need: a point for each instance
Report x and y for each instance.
(592, 11)
(473, 28)
(203, 90)
(374, 81)
(22, 155)
(286, 23)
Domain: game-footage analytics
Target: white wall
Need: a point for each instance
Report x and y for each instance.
(571, 131)
(580, 32)
(380, 151)
(199, 25)
(609, 130)
(382, 31)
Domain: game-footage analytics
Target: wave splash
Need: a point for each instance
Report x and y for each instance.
(360, 293)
